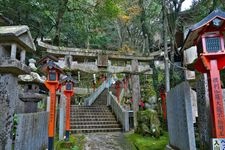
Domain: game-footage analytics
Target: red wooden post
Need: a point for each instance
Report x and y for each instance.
(211, 63)
(216, 100)
(68, 95)
(52, 86)
(68, 92)
(163, 103)
(52, 83)
(212, 67)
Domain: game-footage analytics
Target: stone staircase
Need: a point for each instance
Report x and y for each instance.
(95, 118)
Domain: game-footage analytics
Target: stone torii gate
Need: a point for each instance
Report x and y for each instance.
(93, 61)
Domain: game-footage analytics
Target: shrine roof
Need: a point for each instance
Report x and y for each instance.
(51, 64)
(17, 34)
(199, 27)
(69, 79)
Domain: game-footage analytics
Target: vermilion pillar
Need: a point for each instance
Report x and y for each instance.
(211, 64)
(68, 92)
(216, 100)
(163, 103)
(52, 86)
(68, 95)
(52, 83)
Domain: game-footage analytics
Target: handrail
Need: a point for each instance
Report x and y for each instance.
(122, 115)
(106, 84)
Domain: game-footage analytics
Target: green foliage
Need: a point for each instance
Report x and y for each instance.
(147, 88)
(75, 143)
(15, 123)
(222, 77)
(177, 76)
(148, 143)
(102, 24)
(148, 123)
(109, 9)
(202, 8)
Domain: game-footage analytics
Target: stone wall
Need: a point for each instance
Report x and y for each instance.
(32, 131)
(8, 98)
(180, 118)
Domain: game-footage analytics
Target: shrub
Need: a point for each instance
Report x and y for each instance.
(148, 123)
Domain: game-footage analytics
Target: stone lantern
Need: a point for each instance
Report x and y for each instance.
(15, 41)
(68, 92)
(208, 35)
(30, 95)
(52, 83)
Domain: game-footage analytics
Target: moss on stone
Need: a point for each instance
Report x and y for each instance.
(148, 123)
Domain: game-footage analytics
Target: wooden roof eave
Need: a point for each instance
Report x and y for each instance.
(199, 27)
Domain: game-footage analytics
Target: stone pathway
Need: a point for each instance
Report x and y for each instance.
(106, 141)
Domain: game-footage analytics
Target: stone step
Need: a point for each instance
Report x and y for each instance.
(95, 130)
(90, 113)
(95, 126)
(95, 118)
(88, 107)
(91, 119)
(87, 122)
(92, 116)
(91, 110)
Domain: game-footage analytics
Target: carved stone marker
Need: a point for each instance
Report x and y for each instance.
(179, 115)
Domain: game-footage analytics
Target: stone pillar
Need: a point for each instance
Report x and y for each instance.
(135, 90)
(204, 120)
(8, 98)
(68, 61)
(13, 51)
(22, 56)
(61, 116)
(48, 104)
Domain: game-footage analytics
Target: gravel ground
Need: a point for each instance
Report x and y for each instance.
(106, 141)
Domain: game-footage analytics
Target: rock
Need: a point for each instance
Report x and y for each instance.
(148, 123)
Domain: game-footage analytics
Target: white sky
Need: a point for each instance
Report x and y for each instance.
(186, 5)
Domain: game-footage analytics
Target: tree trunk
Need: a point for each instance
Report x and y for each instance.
(59, 20)
(166, 59)
(135, 90)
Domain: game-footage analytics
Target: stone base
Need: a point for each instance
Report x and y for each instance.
(168, 147)
(8, 98)
(14, 67)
